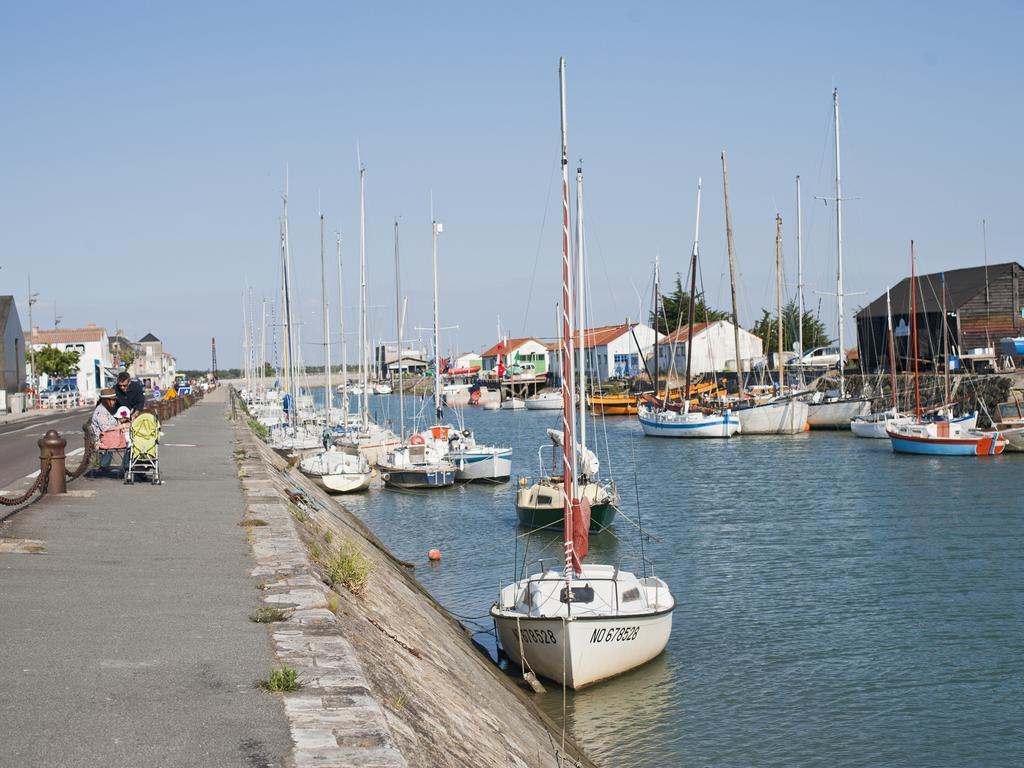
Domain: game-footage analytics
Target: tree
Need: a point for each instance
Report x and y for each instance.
(127, 356)
(767, 329)
(675, 310)
(55, 363)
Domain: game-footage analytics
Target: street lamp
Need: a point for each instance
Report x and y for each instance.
(32, 298)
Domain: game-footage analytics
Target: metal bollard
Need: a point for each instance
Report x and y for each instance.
(51, 447)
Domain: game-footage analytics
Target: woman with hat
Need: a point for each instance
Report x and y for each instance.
(107, 430)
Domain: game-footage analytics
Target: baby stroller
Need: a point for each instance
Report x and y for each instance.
(144, 453)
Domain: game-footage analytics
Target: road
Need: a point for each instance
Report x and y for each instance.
(19, 449)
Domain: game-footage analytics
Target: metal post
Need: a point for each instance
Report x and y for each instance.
(51, 458)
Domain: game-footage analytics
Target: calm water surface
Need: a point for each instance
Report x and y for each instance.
(837, 604)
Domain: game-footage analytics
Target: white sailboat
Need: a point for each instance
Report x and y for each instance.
(836, 410)
(366, 438)
(583, 623)
(658, 420)
(549, 400)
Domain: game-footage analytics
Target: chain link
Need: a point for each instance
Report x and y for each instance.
(90, 446)
(38, 485)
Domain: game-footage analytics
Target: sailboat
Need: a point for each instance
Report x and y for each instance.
(656, 418)
(539, 505)
(836, 410)
(781, 414)
(583, 623)
(473, 461)
(366, 438)
(332, 469)
(937, 438)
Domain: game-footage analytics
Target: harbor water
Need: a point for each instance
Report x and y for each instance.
(837, 604)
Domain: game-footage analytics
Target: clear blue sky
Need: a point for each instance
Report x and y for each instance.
(143, 151)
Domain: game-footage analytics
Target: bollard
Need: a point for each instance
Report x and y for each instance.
(51, 446)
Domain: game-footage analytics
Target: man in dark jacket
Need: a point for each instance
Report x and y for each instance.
(130, 394)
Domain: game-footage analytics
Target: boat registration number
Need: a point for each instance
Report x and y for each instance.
(615, 635)
(545, 636)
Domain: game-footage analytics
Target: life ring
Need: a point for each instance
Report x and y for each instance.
(417, 440)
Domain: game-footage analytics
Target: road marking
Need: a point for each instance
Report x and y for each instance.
(179, 445)
(66, 455)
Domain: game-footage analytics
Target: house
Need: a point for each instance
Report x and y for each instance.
(123, 350)
(714, 349)
(153, 366)
(612, 351)
(468, 360)
(523, 352)
(12, 348)
(983, 305)
(387, 361)
(95, 366)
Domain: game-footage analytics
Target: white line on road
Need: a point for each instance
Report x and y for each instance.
(75, 452)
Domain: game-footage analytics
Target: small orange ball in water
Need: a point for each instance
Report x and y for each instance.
(434, 554)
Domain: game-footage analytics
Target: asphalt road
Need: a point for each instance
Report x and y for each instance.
(19, 449)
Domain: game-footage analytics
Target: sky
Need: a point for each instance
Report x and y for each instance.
(144, 148)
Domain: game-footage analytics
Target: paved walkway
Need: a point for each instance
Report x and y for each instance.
(126, 640)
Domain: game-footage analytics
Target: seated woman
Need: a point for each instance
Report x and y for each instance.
(107, 430)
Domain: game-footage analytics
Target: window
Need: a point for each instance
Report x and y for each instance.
(577, 595)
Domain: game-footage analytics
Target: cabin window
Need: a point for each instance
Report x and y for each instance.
(577, 594)
(631, 594)
(543, 498)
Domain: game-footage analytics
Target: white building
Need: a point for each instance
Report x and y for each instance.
(154, 367)
(714, 349)
(525, 352)
(612, 351)
(94, 361)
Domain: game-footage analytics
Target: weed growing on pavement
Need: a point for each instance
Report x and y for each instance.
(297, 513)
(328, 537)
(253, 522)
(397, 703)
(332, 603)
(282, 680)
(259, 430)
(266, 614)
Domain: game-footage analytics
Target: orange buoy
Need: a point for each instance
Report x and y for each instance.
(434, 554)
(807, 427)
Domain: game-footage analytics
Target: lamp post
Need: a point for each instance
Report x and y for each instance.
(32, 298)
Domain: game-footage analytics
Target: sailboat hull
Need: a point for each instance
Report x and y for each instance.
(544, 403)
(417, 478)
(671, 424)
(581, 651)
(473, 466)
(785, 417)
(836, 414)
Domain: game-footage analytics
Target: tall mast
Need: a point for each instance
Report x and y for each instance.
(435, 229)
(693, 302)
(799, 270)
(945, 339)
(341, 329)
(732, 277)
(778, 297)
(363, 383)
(568, 378)
(245, 346)
(839, 254)
(913, 325)
(398, 321)
(657, 319)
(327, 328)
(580, 309)
(263, 348)
(892, 349)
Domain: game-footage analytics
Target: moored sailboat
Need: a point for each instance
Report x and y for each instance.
(584, 623)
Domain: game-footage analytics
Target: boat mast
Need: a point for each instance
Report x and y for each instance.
(657, 319)
(945, 339)
(693, 302)
(732, 277)
(568, 378)
(892, 349)
(580, 308)
(799, 271)
(327, 328)
(341, 327)
(363, 339)
(291, 362)
(913, 325)
(839, 253)
(436, 228)
(398, 321)
(778, 297)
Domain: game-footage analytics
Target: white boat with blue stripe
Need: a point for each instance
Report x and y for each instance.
(687, 423)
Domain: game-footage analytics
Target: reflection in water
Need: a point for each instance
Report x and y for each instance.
(833, 599)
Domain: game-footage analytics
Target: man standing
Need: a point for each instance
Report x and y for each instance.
(130, 394)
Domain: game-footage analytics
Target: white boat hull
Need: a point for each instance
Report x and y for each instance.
(876, 426)
(583, 651)
(350, 482)
(513, 404)
(544, 403)
(836, 414)
(491, 405)
(693, 424)
(476, 466)
(1014, 439)
(785, 417)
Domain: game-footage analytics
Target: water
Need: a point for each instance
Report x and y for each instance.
(836, 603)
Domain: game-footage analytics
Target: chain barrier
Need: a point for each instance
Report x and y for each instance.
(90, 447)
(38, 485)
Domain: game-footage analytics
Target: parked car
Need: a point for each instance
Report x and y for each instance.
(819, 357)
(62, 396)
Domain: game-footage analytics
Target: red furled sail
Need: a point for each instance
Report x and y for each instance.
(580, 532)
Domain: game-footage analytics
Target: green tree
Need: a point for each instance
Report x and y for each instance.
(675, 310)
(767, 330)
(56, 363)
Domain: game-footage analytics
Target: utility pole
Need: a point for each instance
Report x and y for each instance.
(32, 298)
(213, 357)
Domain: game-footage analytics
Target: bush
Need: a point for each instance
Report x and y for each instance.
(349, 567)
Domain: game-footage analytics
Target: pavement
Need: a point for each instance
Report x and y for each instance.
(124, 630)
